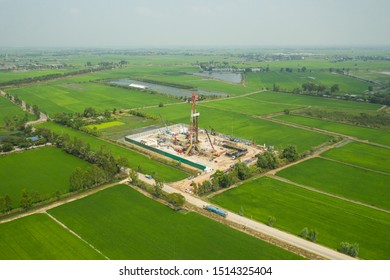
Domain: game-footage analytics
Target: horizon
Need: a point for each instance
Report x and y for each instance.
(194, 24)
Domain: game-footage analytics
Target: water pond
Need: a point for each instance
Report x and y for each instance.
(227, 77)
(166, 89)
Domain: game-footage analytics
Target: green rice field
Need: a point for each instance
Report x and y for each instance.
(59, 96)
(244, 126)
(343, 180)
(38, 237)
(289, 81)
(44, 170)
(129, 124)
(135, 159)
(248, 106)
(295, 208)
(8, 109)
(363, 133)
(289, 99)
(105, 125)
(6, 76)
(124, 224)
(361, 154)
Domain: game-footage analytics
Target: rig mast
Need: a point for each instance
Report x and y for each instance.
(194, 125)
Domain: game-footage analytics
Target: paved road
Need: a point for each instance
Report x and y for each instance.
(259, 227)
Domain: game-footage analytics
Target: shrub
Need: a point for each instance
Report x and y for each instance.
(304, 232)
(271, 221)
(349, 249)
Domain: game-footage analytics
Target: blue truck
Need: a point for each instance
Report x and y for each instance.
(215, 210)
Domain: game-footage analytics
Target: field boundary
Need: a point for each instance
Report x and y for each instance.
(325, 193)
(323, 131)
(75, 234)
(50, 205)
(284, 237)
(354, 165)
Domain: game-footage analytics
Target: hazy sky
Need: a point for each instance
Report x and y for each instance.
(224, 23)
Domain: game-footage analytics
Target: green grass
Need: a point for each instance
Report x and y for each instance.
(363, 133)
(6, 76)
(124, 224)
(167, 173)
(44, 170)
(38, 237)
(361, 154)
(248, 106)
(343, 180)
(105, 125)
(296, 208)
(222, 87)
(244, 126)
(60, 96)
(289, 99)
(8, 109)
(130, 123)
(289, 81)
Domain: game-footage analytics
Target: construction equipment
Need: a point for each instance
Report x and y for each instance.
(208, 136)
(189, 149)
(166, 126)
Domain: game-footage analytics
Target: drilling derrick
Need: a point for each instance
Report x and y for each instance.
(194, 125)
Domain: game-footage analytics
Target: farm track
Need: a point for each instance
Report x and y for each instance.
(200, 102)
(44, 208)
(42, 117)
(327, 132)
(75, 234)
(272, 172)
(284, 238)
(354, 165)
(326, 193)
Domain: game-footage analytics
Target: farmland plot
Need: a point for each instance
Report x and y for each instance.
(295, 208)
(343, 180)
(124, 224)
(44, 170)
(38, 237)
(135, 159)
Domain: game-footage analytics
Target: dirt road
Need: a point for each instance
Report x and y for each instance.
(259, 227)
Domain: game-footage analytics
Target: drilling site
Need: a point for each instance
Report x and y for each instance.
(205, 150)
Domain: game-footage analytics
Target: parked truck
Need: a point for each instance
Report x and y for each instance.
(215, 210)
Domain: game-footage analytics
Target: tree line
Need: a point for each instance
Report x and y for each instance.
(79, 121)
(33, 109)
(103, 158)
(54, 76)
(175, 200)
(376, 119)
(104, 168)
(272, 160)
(23, 138)
(220, 180)
(241, 171)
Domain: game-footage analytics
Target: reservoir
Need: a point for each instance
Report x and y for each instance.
(227, 77)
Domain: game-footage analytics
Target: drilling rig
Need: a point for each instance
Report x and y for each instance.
(194, 126)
